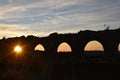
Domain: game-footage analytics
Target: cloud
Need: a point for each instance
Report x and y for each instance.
(46, 16)
(10, 30)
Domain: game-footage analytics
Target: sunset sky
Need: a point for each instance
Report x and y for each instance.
(42, 17)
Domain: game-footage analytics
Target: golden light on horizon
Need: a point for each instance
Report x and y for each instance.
(39, 47)
(119, 47)
(94, 46)
(64, 47)
(17, 49)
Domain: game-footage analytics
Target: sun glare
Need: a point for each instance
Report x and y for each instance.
(18, 49)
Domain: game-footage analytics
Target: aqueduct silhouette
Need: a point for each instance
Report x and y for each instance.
(109, 39)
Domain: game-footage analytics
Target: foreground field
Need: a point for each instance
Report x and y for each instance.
(60, 67)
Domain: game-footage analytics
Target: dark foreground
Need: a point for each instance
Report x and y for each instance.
(60, 67)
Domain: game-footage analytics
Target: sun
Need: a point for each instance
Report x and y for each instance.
(17, 49)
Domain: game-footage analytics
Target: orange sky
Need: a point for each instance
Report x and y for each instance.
(39, 47)
(94, 45)
(119, 47)
(64, 47)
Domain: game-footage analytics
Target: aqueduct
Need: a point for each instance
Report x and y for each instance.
(109, 39)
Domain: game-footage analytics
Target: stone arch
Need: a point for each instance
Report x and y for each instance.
(94, 45)
(95, 52)
(64, 47)
(39, 47)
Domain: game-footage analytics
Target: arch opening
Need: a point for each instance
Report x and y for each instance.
(94, 48)
(64, 47)
(119, 48)
(39, 47)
